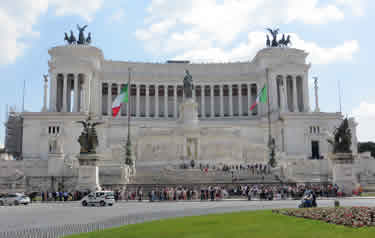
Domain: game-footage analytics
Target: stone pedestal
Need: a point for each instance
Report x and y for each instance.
(189, 113)
(88, 172)
(56, 164)
(342, 166)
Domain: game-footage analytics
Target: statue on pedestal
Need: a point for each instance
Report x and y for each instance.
(88, 139)
(342, 139)
(188, 85)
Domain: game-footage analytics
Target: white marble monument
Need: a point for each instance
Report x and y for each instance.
(214, 127)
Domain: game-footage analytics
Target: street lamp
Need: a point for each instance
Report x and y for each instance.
(272, 146)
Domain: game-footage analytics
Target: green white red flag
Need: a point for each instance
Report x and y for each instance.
(262, 97)
(120, 99)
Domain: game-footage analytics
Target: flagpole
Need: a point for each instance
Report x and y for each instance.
(271, 145)
(268, 108)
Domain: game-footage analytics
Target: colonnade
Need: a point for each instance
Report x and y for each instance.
(290, 93)
(162, 100)
(67, 93)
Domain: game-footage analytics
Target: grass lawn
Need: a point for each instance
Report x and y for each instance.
(368, 194)
(232, 225)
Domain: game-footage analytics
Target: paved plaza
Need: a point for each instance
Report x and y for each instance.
(54, 215)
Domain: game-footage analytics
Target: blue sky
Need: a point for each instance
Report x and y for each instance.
(338, 34)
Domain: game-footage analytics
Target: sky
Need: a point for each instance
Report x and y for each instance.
(337, 34)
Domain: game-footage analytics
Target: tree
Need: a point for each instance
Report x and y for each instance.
(367, 146)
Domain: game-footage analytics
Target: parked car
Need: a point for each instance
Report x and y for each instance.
(14, 199)
(101, 198)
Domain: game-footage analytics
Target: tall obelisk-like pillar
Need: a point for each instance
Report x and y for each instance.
(317, 109)
(44, 109)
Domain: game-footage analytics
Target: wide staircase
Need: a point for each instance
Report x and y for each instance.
(197, 176)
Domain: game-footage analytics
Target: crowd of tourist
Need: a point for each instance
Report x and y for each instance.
(253, 169)
(207, 192)
(216, 192)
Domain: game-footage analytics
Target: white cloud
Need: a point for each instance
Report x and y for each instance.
(199, 50)
(365, 116)
(356, 6)
(319, 55)
(117, 16)
(206, 30)
(19, 16)
(83, 8)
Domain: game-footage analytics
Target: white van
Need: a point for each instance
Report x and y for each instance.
(101, 198)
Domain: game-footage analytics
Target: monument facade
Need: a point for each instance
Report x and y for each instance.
(180, 112)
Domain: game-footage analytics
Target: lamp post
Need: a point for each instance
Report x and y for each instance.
(128, 152)
(271, 140)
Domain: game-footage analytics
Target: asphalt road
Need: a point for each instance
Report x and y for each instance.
(58, 214)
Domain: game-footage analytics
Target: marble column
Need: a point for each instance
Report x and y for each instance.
(295, 104)
(230, 88)
(75, 106)
(123, 105)
(138, 89)
(147, 106)
(166, 101)
(221, 87)
(239, 99)
(64, 97)
(156, 100)
(101, 98)
(285, 96)
(175, 101)
(109, 104)
(212, 97)
(317, 108)
(45, 80)
(53, 92)
(249, 100)
(203, 95)
(305, 91)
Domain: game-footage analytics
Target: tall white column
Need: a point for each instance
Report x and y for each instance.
(53, 92)
(212, 97)
(203, 106)
(221, 100)
(295, 104)
(101, 98)
(317, 109)
(261, 107)
(75, 106)
(285, 96)
(230, 88)
(122, 106)
(166, 101)
(45, 80)
(156, 100)
(239, 99)
(249, 100)
(147, 106)
(109, 104)
(138, 88)
(65, 89)
(175, 101)
(305, 91)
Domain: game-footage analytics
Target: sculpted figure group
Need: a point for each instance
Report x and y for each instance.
(81, 37)
(283, 42)
(342, 138)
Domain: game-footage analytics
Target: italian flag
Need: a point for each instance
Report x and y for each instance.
(262, 97)
(120, 99)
